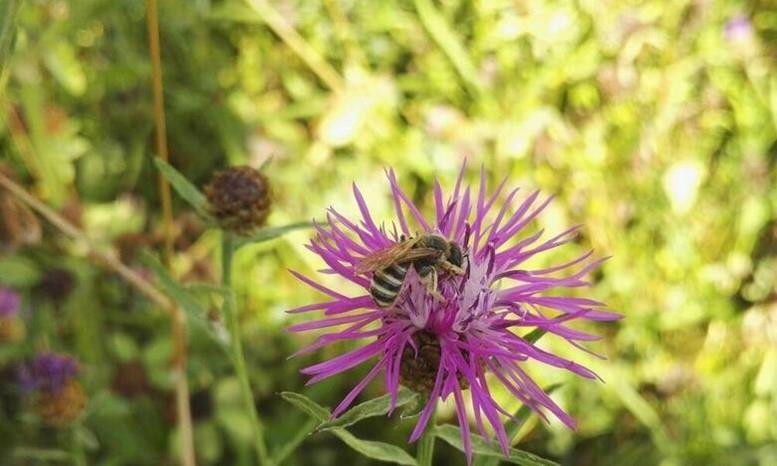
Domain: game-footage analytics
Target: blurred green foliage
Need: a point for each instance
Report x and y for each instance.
(654, 122)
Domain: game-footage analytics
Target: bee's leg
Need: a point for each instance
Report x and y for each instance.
(448, 267)
(428, 276)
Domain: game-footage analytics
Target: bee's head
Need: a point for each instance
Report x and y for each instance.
(450, 254)
(436, 242)
(453, 254)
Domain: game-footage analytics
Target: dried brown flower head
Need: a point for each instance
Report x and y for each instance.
(239, 198)
(62, 407)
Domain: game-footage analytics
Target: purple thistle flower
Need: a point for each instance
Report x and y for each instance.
(443, 347)
(47, 373)
(9, 302)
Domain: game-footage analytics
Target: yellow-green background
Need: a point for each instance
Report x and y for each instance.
(652, 121)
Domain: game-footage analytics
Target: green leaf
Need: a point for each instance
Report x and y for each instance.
(184, 188)
(265, 164)
(266, 234)
(376, 450)
(173, 288)
(452, 435)
(283, 452)
(308, 406)
(7, 31)
(413, 410)
(375, 407)
(512, 427)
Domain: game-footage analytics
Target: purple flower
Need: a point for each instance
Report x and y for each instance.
(48, 373)
(738, 29)
(9, 302)
(445, 346)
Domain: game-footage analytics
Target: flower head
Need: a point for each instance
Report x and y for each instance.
(239, 198)
(11, 326)
(51, 380)
(446, 340)
(9, 302)
(48, 372)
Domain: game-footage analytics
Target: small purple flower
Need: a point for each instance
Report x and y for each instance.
(9, 302)
(445, 346)
(738, 29)
(47, 373)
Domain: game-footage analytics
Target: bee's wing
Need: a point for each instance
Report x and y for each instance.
(385, 257)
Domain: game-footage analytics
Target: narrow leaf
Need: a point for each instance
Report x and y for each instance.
(265, 164)
(452, 435)
(448, 40)
(266, 234)
(376, 450)
(173, 288)
(210, 288)
(308, 406)
(288, 448)
(184, 188)
(375, 407)
(195, 313)
(535, 335)
(8, 14)
(512, 427)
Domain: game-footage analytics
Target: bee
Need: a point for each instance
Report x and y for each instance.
(429, 255)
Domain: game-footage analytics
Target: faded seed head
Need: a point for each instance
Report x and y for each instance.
(57, 284)
(59, 408)
(239, 198)
(11, 329)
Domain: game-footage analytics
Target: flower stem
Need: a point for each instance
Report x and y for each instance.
(152, 20)
(426, 443)
(77, 449)
(236, 347)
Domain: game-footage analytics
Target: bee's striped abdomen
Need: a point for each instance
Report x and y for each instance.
(386, 285)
